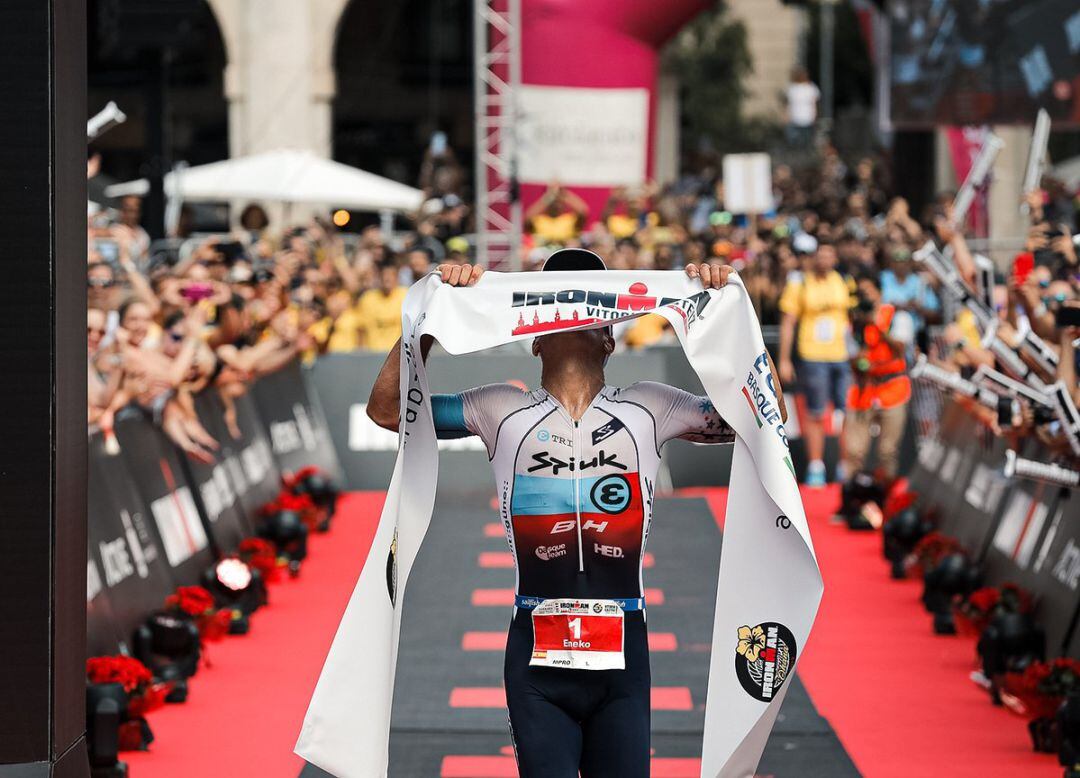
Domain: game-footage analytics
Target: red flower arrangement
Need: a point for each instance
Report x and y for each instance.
(298, 503)
(899, 498)
(933, 547)
(974, 612)
(1042, 687)
(127, 671)
(261, 555)
(197, 602)
(144, 695)
(192, 600)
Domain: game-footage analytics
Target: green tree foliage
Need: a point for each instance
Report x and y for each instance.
(711, 59)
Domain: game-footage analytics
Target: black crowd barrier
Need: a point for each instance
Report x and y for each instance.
(157, 519)
(1019, 530)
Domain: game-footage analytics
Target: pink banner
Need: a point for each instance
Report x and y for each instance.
(964, 146)
(611, 44)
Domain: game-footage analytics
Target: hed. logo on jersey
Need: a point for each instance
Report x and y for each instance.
(764, 658)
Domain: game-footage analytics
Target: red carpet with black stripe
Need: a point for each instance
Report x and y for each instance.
(898, 698)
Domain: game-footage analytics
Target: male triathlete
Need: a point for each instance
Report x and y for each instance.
(575, 464)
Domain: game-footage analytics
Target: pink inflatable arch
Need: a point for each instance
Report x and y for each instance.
(599, 44)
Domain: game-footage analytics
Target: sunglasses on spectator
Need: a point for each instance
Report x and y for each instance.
(95, 330)
(175, 337)
(211, 262)
(102, 282)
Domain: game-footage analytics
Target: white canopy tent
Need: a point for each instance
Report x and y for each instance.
(1068, 171)
(283, 176)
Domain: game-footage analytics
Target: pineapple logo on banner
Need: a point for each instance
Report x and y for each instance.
(764, 656)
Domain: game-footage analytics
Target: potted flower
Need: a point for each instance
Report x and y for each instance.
(931, 549)
(198, 603)
(1037, 693)
(139, 690)
(974, 612)
(260, 555)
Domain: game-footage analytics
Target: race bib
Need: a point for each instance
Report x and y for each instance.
(824, 330)
(578, 635)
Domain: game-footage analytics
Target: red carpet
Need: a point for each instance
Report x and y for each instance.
(244, 711)
(898, 696)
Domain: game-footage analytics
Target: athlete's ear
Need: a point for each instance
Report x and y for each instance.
(536, 347)
(609, 341)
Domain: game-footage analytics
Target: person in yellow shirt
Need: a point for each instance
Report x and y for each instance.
(337, 331)
(814, 323)
(556, 218)
(378, 311)
(646, 331)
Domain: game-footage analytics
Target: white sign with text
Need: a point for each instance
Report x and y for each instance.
(583, 137)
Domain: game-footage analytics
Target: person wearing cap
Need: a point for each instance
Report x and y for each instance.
(814, 327)
(577, 461)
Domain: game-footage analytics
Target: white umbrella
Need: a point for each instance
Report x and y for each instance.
(284, 176)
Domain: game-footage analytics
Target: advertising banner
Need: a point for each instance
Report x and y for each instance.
(1055, 572)
(217, 483)
(151, 463)
(583, 137)
(295, 427)
(126, 557)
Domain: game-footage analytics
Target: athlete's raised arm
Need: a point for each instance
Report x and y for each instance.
(384, 403)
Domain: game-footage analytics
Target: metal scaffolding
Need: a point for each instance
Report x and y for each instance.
(497, 44)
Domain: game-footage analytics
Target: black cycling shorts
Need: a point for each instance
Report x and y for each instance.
(563, 722)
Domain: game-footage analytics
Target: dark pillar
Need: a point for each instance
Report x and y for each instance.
(157, 162)
(913, 168)
(43, 391)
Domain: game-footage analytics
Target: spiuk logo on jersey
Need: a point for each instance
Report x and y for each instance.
(545, 460)
(605, 431)
(764, 658)
(596, 307)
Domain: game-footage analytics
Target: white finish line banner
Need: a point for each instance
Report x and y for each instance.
(769, 585)
(583, 137)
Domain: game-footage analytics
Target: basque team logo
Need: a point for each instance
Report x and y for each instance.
(764, 658)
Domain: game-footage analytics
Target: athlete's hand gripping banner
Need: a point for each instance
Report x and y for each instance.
(769, 585)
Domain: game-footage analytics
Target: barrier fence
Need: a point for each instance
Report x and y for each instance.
(1017, 529)
(157, 519)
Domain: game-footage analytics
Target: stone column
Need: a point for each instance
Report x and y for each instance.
(1007, 225)
(666, 123)
(773, 33)
(279, 79)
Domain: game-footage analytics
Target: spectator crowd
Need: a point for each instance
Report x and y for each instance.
(835, 267)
